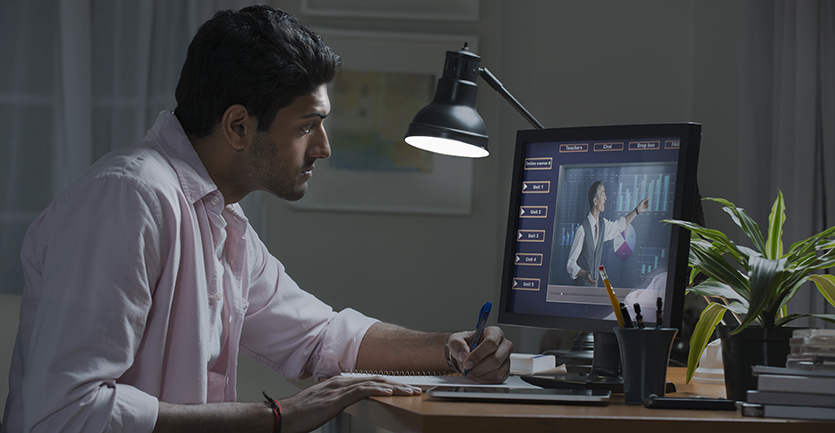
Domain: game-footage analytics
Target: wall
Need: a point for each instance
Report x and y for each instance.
(9, 314)
(570, 63)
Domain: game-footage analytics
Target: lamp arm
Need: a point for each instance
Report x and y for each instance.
(497, 86)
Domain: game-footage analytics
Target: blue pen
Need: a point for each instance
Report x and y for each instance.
(479, 328)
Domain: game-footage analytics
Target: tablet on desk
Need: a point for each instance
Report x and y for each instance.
(523, 395)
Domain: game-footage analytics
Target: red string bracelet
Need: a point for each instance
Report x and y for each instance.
(276, 410)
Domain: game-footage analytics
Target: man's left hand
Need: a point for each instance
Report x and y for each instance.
(490, 361)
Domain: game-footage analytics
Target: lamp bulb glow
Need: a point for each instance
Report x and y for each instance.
(446, 146)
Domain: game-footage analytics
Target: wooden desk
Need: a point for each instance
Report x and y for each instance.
(426, 414)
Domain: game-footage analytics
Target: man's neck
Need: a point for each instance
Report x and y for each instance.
(218, 164)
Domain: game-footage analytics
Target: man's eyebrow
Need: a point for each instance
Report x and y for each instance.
(317, 114)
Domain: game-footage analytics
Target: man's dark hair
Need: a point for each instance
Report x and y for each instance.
(593, 192)
(259, 57)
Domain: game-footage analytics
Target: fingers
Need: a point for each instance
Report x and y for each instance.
(317, 404)
(373, 386)
(459, 346)
(490, 361)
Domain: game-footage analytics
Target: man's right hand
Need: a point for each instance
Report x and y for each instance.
(587, 275)
(316, 405)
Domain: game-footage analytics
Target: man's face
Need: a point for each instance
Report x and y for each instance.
(600, 200)
(280, 161)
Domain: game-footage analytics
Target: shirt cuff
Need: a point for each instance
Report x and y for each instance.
(341, 343)
(133, 410)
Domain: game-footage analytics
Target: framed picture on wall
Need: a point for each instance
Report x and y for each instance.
(432, 10)
(386, 78)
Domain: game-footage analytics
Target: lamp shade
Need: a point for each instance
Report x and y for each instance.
(450, 124)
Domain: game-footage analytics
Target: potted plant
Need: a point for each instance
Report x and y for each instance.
(755, 282)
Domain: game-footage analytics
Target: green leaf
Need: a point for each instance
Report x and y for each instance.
(713, 288)
(774, 245)
(765, 277)
(826, 285)
(748, 252)
(749, 227)
(719, 241)
(741, 218)
(721, 201)
(826, 244)
(715, 266)
(810, 244)
(711, 234)
(693, 273)
(788, 289)
(825, 260)
(825, 317)
(710, 317)
(738, 308)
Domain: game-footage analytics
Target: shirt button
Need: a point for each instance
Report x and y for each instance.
(215, 201)
(218, 296)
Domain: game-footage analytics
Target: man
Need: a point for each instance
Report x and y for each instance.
(587, 249)
(143, 278)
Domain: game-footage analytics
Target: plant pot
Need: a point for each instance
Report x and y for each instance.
(752, 346)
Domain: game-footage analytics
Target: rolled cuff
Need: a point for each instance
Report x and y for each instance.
(133, 411)
(341, 344)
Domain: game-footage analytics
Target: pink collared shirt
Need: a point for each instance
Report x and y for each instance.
(124, 287)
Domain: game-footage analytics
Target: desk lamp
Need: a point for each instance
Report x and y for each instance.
(450, 124)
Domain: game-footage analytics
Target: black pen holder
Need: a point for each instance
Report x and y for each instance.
(644, 354)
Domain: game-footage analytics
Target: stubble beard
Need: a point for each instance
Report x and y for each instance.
(273, 175)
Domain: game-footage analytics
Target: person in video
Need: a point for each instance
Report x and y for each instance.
(587, 249)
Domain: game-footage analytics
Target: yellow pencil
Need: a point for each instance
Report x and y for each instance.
(612, 298)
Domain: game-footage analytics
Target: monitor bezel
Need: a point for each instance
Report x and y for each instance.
(686, 196)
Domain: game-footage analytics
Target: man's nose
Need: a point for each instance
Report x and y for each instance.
(320, 148)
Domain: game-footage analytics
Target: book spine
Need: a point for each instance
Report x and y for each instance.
(806, 384)
(799, 412)
(791, 398)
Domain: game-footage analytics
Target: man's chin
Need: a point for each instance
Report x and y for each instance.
(294, 195)
(289, 194)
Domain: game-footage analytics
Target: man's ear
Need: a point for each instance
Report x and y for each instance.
(238, 126)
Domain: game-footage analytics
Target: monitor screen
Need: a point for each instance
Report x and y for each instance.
(590, 196)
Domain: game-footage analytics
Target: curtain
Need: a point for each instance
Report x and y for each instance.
(80, 78)
(787, 121)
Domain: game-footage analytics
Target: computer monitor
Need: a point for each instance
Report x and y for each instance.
(568, 182)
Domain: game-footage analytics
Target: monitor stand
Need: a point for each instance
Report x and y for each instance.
(602, 372)
(602, 365)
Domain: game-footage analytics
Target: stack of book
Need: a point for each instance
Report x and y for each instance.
(794, 393)
(805, 389)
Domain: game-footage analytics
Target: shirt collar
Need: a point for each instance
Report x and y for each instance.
(171, 138)
(195, 180)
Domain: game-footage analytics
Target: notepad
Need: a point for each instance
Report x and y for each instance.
(429, 380)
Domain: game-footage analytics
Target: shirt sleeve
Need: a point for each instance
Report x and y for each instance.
(574, 253)
(614, 227)
(89, 272)
(291, 331)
